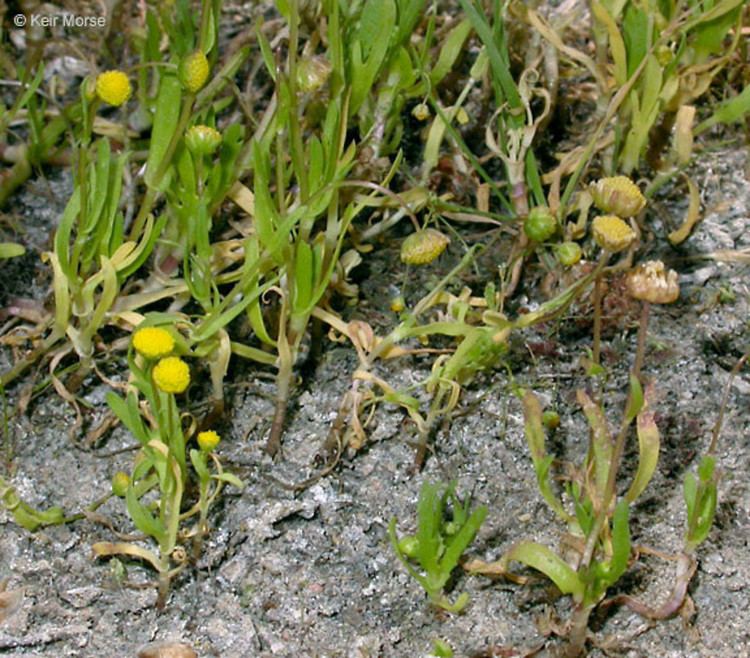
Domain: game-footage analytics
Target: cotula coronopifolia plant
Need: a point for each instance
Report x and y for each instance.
(596, 517)
(91, 258)
(154, 491)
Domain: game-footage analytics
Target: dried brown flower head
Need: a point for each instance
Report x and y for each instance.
(652, 282)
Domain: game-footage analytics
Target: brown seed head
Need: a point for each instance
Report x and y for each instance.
(652, 282)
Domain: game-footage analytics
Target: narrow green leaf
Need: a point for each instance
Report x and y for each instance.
(11, 250)
(229, 478)
(142, 518)
(730, 111)
(453, 46)
(635, 402)
(303, 277)
(165, 121)
(198, 460)
(550, 564)
(690, 493)
(461, 540)
(429, 522)
(648, 451)
(620, 542)
(125, 410)
(534, 431)
(601, 441)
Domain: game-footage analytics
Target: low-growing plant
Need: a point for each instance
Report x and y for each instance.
(154, 491)
(596, 517)
(445, 529)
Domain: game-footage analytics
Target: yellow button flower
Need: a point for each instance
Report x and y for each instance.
(194, 71)
(153, 342)
(208, 440)
(612, 234)
(113, 87)
(172, 375)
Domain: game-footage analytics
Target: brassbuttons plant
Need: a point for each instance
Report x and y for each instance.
(155, 490)
(431, 555)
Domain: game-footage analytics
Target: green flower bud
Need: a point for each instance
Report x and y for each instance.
(451, 528)
(120, 484)
(313, 73)
(568, 253)
(202, 140)
(409, 546)
(551, 420)
(540, 225)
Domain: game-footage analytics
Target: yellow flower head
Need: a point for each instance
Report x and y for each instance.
(172, 375)
(612, 234)
(194, 71)
(618, 195)
(208, 440)
(113, 87)
(153, 342)
(423, 246)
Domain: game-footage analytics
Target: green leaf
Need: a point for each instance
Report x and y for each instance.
(550, 564)
(690, 493)
(635, 401)
(11, 250)
(303, 277)
(142, 518)
(165, 121)
(505, 86)
(409, 14)
(429, 518)
(602, 445)
(648, 452)
(620, 543)
(370, 47)
(461, 540)
(229, 478)
(635, 35)
(701, 500)
(706, 468)
(198, 459)
(451, 50)
(534, 431)
(128, 414)
(710, 36)
(266, 51)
